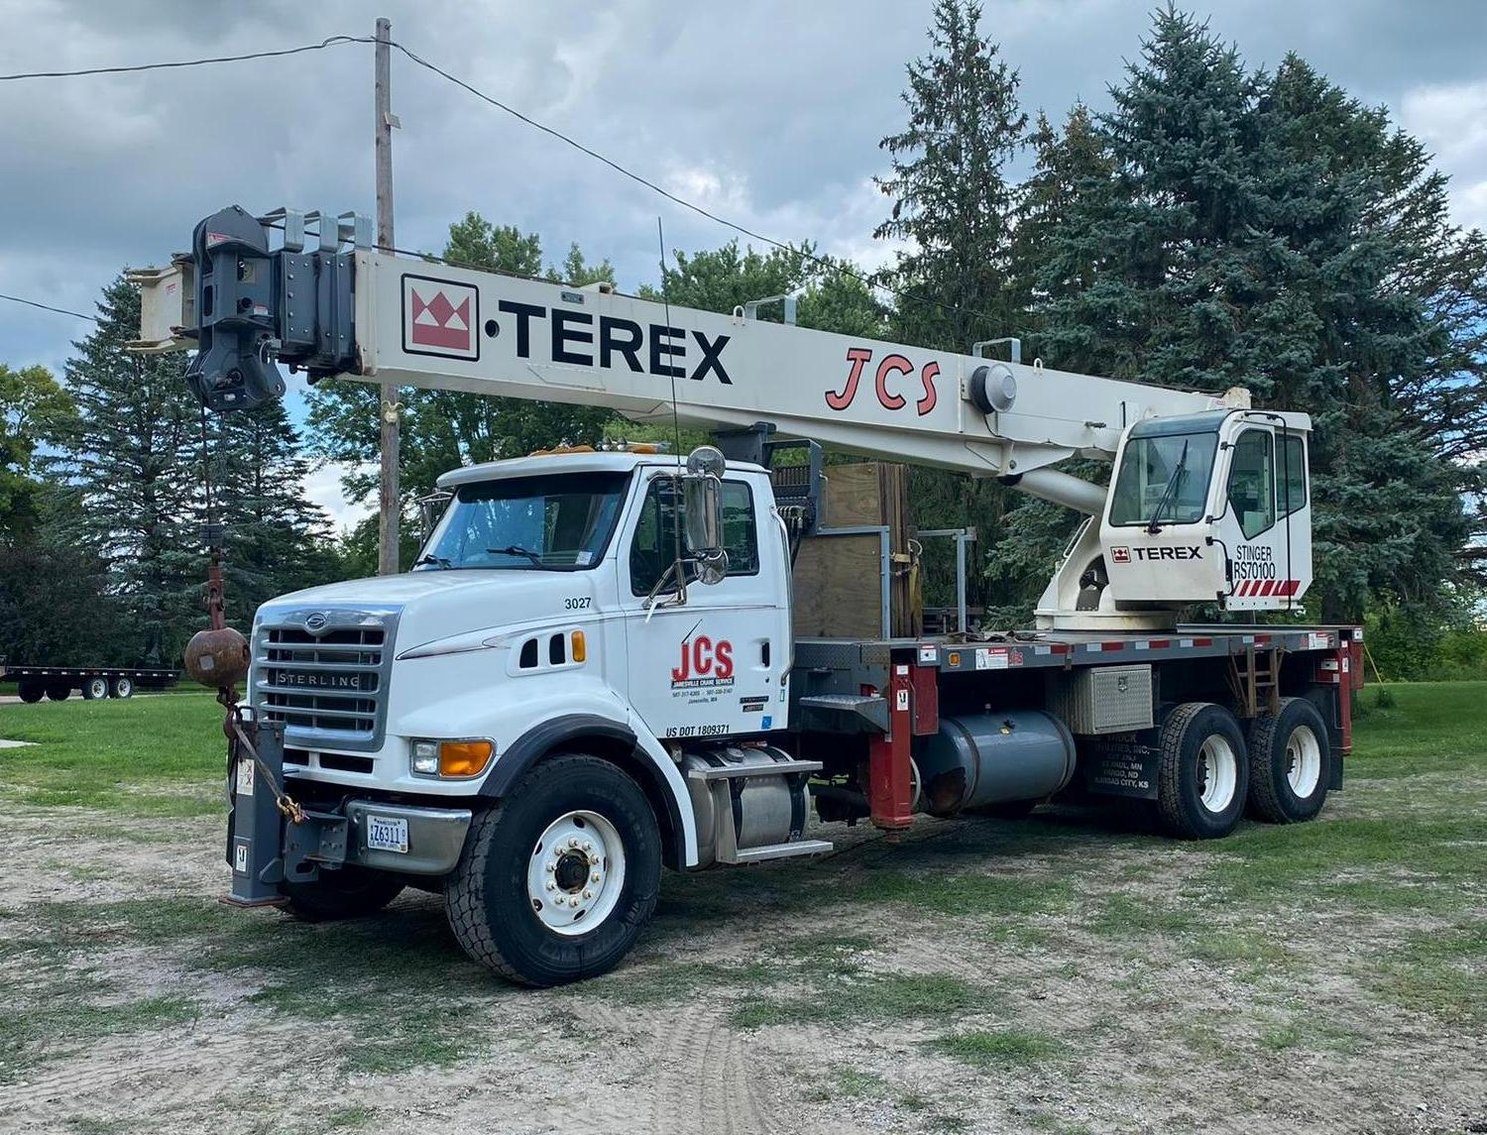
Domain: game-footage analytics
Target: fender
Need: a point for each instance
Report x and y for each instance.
(548, 735)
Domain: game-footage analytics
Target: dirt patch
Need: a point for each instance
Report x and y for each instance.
(1056, 975)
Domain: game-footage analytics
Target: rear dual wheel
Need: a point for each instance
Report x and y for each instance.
(1204, 772)
(95, 688)
(1290, 759)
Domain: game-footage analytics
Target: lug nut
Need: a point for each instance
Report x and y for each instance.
(588, 894)
(588, 845)
(573, 841)
(552, 885)
(595, 877)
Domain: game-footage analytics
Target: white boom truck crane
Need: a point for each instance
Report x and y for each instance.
(590, 672)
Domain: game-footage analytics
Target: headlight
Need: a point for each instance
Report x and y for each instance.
(460, 759)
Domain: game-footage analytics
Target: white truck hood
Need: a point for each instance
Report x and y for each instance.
(435, 605)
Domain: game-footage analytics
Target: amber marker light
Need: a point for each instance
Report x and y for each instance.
(578, 649)
(464, 758)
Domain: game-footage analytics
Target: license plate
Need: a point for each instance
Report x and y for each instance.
(385, 833)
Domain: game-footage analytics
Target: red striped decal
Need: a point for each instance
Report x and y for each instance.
(1293, 586)
(1267, 587)
(1241, 587)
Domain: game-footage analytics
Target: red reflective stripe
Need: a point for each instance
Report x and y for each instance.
(1159, 644)
(1202, 642)
(1112, 646)
(1243, 585)
(1291, 587)
(1267, 587)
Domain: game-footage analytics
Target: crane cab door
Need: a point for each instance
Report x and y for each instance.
(1262, 515)
(715, 665)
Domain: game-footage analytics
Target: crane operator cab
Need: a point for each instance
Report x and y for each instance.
(1203, 508)
(1211, 507)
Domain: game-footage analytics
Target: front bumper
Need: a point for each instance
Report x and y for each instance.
(435, 837)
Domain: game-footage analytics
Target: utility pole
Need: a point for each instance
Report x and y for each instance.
(389, 503)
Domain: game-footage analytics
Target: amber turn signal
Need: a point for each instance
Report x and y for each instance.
(464, 758)
(578, 649)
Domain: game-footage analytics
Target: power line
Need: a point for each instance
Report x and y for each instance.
(825, 262)
(49, 307)
(331, 41)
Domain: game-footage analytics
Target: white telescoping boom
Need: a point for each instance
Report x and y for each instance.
(1189, 518)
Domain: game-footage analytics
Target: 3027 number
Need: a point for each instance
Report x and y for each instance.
(578, 603)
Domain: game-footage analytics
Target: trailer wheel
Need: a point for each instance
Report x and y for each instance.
(1203, 772)
(122, 688)
(95, 688)
(351, 892)
(60, 691)
(556, 881)
(1290, 763)
(30, 692)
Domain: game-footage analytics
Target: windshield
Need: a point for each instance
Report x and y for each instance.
(1163, 480)
(554, 522)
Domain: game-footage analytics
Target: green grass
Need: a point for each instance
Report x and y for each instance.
(998, 1048)
(150, 756)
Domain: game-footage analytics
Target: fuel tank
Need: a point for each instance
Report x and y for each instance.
(993, 758)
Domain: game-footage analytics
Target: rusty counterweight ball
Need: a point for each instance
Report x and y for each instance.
(217, 658)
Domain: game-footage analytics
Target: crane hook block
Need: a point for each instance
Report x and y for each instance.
(234, 367)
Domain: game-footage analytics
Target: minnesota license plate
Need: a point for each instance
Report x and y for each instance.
(387, 833)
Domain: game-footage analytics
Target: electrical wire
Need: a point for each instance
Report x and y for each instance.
(330, 41)
(822, 261)
(49, 307)
(827, 263)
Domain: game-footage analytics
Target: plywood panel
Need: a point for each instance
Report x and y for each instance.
(837, 587)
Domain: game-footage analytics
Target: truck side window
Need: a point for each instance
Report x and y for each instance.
(1292, 475)
(655, 543)
(1252, 482)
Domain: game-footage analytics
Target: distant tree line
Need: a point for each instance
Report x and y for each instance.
(1218, 226)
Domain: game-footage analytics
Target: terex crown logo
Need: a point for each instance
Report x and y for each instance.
(440, 318)
(1120, 555)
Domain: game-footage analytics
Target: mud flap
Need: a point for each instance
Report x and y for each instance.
(1120, 764)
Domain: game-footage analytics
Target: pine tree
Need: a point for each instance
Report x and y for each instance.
(276, 540)
(1268, 231)
(126, 460)
(951, 199)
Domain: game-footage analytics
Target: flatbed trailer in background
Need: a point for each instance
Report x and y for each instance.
(94, 682)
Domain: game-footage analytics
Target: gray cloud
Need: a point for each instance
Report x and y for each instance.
(769, 111)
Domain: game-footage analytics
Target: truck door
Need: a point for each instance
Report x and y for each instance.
(713, 665)
(1264, 517)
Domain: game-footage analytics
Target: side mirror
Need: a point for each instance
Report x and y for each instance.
(703, 509)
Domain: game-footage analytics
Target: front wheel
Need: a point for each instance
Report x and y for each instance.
(1290, 763)
(1203, 772)
(556, 881)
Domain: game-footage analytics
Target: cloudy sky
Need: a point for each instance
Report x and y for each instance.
(765, 111)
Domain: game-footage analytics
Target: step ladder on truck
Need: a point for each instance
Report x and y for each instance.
(591, 673)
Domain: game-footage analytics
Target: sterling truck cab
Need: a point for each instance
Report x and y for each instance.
(591, 671)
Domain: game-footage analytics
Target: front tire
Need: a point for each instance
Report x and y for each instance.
(1290, 761)
(351, 892)
(556, 881)
(1203, 772)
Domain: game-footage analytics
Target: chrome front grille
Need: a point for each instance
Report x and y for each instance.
(324, 674)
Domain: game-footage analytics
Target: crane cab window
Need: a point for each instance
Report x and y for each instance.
(1292, 474)
(1252, 481)
(655, 545)
(1164, 479)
